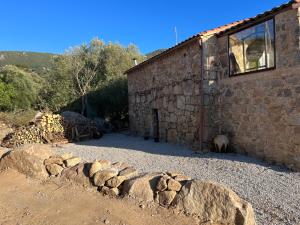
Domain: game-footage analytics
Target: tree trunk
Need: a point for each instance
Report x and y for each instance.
(83, 105)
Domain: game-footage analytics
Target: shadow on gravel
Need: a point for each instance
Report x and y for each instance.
(128, 142)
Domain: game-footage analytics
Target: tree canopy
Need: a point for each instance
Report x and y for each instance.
(19, 88)
(88, 77)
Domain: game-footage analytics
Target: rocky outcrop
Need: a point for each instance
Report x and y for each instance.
(214, 202)
(28, 159)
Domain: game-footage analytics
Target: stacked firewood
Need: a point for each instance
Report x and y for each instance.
(53, 128)
(47, 128)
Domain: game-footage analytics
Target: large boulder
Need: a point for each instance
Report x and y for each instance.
(129, 172)
(214, 202)
(78, 174)
(173, 185)
(115, 181)
(99, 165)
(166, 197)
(72, 162)
(28, 159)
(104, 175)
(54, 160)
(142, 187)
(54, 169)
(162, 183)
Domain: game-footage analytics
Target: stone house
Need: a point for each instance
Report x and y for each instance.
(241, 79)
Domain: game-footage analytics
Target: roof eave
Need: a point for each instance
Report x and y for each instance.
(260, 17)
(239, 26)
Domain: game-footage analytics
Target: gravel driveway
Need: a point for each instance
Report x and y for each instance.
(273, 191)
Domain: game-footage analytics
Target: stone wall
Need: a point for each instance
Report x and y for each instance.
(172, 85)
(261, 111)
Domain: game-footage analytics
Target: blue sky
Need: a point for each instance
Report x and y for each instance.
(56, 25)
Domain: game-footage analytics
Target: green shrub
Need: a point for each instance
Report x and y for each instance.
(7, 94)
(23, 87)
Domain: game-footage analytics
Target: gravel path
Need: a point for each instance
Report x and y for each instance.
(273, 191)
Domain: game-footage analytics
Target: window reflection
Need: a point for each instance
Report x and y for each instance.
(252, 49)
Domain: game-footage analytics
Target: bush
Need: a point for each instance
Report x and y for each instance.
(7, 94)
(20, 88)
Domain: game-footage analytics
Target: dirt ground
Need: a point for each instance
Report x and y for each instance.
(274, 191)
(24, 201)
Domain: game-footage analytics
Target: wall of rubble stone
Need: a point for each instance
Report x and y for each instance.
(261, 111)
(168, 189)
(171, 85)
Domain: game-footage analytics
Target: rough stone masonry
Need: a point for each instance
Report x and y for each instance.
(260, 112)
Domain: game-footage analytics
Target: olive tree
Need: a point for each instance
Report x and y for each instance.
(85, 63)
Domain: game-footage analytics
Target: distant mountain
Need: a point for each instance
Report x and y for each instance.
(154, 53)
(34, 60)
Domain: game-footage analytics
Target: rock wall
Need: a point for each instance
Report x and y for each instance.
(261, 111)
(172, 86)
(209, 201)
(261, 114)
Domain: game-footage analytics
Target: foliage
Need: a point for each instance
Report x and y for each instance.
(95, 66)
(111, 100)
(23, 87)
(58, 91)
(7, 94)
(87, 78)
(118, 59)
(85, 63)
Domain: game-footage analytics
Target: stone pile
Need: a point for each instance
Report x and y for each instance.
(48, 128)
(57, 163)
(168, 186)
(107, 176)
(110, 177)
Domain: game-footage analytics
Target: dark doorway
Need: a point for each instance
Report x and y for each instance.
(155, 125)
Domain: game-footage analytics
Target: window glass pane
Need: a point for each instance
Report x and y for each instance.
(252, 49)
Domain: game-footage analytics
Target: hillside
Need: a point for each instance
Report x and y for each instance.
(34, 60)
(154, 53)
